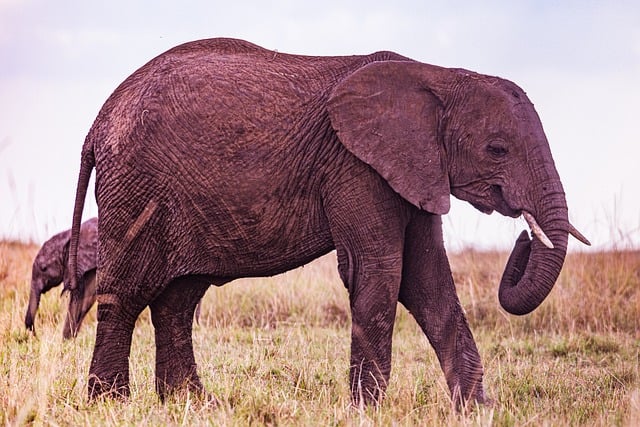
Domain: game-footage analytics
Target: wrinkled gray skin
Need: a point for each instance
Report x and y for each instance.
(50, 270)
(219, 159)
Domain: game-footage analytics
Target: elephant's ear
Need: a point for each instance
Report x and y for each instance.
(65, 239)
(387, 115)
(88, 246)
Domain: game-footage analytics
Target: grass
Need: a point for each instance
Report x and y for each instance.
(275, 351)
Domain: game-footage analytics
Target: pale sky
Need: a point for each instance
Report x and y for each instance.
(579, 62)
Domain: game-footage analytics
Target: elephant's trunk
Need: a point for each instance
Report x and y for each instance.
(533, 267)
(75, 313)
(34, 302)
(80, 302)
(71, 325)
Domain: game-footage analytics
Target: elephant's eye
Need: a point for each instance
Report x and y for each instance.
(497, 149)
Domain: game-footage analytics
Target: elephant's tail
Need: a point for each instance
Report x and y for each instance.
(87, 163)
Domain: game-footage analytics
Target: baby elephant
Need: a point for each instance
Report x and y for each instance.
(50, 270)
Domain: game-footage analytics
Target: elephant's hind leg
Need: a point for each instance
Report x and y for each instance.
(109, 371)
(172, 316)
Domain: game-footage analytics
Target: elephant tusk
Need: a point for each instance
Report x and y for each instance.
(536, 230)
(575, 233)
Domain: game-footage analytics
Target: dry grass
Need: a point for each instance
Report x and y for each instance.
(275, 352)
(596, 293)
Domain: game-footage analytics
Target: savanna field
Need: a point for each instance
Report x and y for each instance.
(275, 351)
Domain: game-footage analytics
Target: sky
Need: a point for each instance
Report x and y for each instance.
(578, 61)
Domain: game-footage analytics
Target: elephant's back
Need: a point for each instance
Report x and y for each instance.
(230, 73)
(225, 60)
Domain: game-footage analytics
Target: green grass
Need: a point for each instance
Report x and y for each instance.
(275, 351)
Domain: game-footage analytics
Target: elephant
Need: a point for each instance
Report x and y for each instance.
(50, 269)
(220, 159)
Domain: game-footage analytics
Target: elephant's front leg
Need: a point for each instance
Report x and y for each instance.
(371, 268)
(172, 316)
(373, 306)
(368, 222)
(428, 292)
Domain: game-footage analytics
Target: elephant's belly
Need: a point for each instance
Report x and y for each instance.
(258, 260)
(255, 244)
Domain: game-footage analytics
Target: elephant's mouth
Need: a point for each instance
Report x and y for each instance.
(500, 203)
(496, 201)
(482, 208)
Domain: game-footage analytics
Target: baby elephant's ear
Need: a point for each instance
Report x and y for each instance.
(387, 115)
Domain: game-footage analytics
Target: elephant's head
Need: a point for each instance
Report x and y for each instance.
(432, 132)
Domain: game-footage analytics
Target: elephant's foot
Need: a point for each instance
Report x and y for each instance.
(368, 384)
(366, 393)
(173, 382)
(465, 398)
(116, 388)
